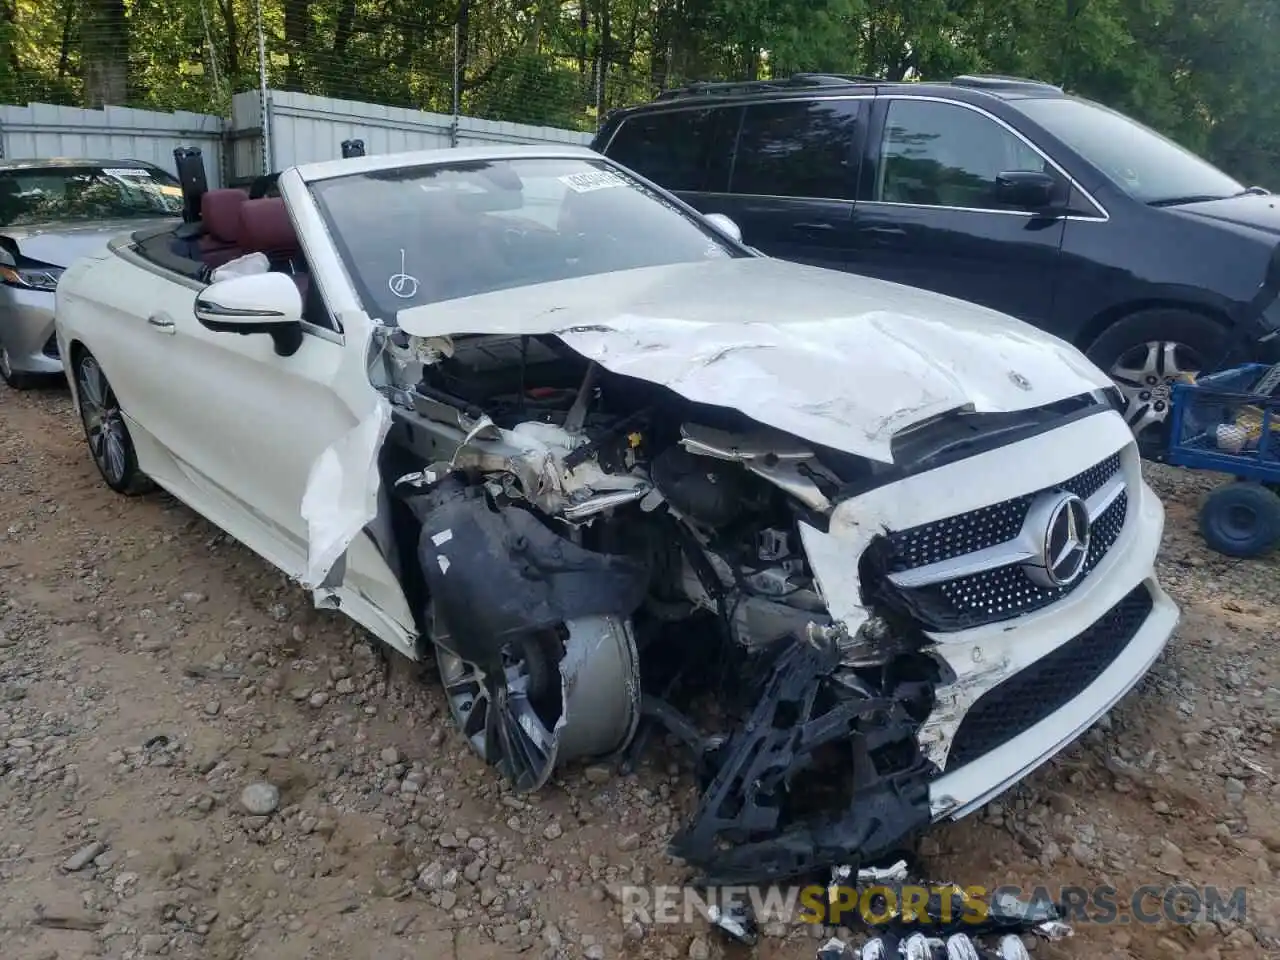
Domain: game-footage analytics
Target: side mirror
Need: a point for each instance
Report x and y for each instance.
(1025, 189)
(724, 225)
(257, 303)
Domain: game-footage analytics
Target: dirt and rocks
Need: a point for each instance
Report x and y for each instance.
(194, 762)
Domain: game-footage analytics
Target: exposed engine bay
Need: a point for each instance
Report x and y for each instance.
(596, 558)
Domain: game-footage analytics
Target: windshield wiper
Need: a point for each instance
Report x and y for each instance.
(1179, 201)
(1206, 198)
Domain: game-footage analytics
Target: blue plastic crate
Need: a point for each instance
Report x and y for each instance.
(1200, 408)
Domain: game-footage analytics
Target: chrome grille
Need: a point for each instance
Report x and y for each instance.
(985, 527)
(1001, 592)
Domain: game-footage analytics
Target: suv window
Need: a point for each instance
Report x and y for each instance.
(797, 148)
(944, 155)
(678, 149)
(1145, 165)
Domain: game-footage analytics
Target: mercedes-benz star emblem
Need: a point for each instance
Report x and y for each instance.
(1064, 545)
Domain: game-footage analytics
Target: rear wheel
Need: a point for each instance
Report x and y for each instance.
(105, 429)
(1146, 353)
(1241, 520)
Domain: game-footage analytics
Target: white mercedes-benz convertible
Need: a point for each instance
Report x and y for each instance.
(524, 412)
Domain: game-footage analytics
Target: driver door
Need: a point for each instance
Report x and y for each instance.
(234, 428)
(928, 217)
(221, 420)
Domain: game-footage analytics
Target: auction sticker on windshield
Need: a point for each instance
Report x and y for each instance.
(596, 180)
(140, 177)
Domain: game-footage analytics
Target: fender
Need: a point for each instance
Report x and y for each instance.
(495, 575)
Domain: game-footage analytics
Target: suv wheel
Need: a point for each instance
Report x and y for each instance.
(1146, 353)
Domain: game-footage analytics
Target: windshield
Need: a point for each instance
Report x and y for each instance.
(1145, 165)
(36, 195)
(417, 235)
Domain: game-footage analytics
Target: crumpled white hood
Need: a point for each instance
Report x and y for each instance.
(834, 358)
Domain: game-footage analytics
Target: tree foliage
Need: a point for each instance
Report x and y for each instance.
(1207, 74)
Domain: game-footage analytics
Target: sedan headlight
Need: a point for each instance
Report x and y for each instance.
(31, 276)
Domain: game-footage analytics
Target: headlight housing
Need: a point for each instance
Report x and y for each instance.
(31, 276)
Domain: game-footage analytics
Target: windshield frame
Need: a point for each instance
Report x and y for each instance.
(99, 170)
(371, 305)
(1037, 109)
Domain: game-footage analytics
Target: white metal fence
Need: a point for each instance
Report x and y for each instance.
(303, 129)
(41, 130)
(299, 128)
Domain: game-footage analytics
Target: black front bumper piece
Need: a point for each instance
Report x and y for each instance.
(807, 739)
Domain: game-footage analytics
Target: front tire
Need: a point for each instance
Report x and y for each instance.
(524, 718)
(1146, 353)
(105, 430)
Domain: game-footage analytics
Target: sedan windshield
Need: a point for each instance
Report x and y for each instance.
(423, 234)
(41, 195)
(1148, 167)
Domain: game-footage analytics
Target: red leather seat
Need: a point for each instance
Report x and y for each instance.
(220, 218)
(265, 228)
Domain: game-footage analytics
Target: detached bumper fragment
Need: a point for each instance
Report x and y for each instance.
(808, 739)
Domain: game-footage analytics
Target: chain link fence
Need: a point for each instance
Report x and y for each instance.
(552, 66)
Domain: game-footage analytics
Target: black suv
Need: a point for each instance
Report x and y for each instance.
(1001, 191)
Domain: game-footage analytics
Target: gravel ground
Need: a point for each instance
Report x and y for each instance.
(151, 669)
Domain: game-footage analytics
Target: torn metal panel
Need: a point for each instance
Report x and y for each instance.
(341, 495)
(743, 334)
(953, 701)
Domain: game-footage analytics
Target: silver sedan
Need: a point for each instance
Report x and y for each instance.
(53, 212)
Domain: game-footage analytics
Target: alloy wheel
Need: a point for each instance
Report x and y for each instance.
(467, 690)
(6, 368)
(499, 715)
(1146, 374)
(103, 422)
(523, 716)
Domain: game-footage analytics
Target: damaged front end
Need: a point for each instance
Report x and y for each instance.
(601, 558)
